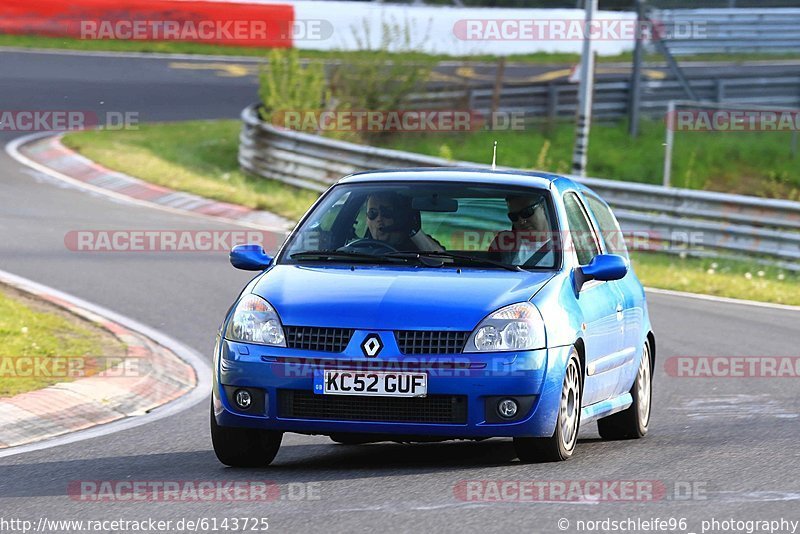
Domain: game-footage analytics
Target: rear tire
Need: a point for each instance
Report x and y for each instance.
(633, 422)
(244, 447)
(561, 445)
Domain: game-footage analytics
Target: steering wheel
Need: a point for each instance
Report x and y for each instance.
(369, 246)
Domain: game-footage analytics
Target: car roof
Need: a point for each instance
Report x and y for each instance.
(455, 174)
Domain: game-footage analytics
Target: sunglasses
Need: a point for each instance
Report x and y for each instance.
(524, 213)
(385, 211)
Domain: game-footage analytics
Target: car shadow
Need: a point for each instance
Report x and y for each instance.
(295, 463)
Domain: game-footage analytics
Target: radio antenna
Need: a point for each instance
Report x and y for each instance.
(494, 156)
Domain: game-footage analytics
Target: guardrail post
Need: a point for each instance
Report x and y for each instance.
(498, 84)
(552, 102)
(470, 99)
(720, 86)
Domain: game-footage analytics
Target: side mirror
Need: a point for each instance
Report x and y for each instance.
(250, 257)
(605, 267)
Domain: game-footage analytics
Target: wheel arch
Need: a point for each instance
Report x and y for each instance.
(651, 339)
(581, 348)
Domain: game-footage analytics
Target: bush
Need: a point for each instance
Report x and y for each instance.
(375, 80)
(286, 85)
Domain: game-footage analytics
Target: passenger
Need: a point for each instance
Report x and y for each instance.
(529, 242)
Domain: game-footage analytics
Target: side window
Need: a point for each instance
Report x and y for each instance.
(582, 236)
(609, 227)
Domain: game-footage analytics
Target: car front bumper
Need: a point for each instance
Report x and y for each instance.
(474, 383)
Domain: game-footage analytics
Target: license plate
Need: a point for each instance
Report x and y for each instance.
(333, 382)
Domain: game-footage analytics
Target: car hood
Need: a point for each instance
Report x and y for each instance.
(393, 298)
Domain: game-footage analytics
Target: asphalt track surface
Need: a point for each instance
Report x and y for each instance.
(734, 440)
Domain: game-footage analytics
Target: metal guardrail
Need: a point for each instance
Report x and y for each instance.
(724, 225)
(611, 98)
(731, 30)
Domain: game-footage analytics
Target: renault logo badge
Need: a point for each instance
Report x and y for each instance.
(371, 346)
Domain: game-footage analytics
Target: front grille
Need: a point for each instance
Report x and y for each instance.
(430, 342)
(317, 338)
(448, 409)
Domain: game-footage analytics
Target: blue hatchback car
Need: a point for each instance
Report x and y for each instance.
(434, 304)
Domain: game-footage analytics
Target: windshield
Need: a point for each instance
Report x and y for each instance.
(433, 224)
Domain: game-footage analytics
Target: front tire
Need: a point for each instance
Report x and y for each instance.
(244, 447)
(561, 445)
(633, 422)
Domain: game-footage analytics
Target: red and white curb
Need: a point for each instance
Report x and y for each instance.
(45, 152)
(170, 377)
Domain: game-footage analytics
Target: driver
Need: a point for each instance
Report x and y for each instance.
(391, 219)
(528, 241)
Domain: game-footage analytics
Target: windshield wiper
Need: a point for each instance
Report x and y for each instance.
(463, 257)
(342, 254)
(421, 257)
(429, 258)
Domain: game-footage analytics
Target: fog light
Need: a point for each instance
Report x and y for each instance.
(244, 399)
(507, 408)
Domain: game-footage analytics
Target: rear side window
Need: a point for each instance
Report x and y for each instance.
(581, 231)
(609, 227)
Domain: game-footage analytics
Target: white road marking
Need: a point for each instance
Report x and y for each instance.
(198, 362)
(12, 149)
(758, 496)
(722, 300)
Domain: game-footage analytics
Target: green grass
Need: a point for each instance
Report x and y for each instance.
(197, 156)
(34, 330)
(167, 47)
(200, 157)
(751, 163)
(722, 278)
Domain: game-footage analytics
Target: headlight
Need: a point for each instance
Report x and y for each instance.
(515, 327)
(255, 321)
